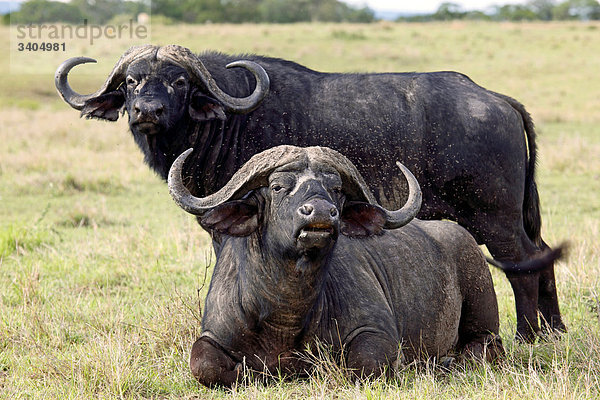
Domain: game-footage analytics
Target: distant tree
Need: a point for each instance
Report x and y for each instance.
(415, 18)
(168, 8)
(448, 11)
(514, 12)
(285, 11)
(241, 10)
(329, 10)
(39, 11)
(577, 10)
(542, 8)
(190, 11)
(337, 11)
(561, 12)
(203, 11)
(135, 7)
(477, 15)
(98, 11)
(76, 11)
(363, 15)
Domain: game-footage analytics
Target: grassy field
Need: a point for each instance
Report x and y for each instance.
(101, 274)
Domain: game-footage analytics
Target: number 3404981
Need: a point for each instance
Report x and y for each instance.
(44, 46)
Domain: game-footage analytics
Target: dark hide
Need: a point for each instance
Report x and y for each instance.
(467, 145)
(295, 277)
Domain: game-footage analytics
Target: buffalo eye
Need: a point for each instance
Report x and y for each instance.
(130, 81)
(276, 188)
(179, 82)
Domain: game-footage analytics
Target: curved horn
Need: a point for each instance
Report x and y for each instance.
(246, 104)
(114, 80)
(74, 99)
(251, 175)
(197, 70)
(401, 217)
(357, 188)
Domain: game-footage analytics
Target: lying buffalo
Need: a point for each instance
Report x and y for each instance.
(473, 150)
(308, 254)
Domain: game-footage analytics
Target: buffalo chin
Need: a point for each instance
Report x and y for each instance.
(147, 128)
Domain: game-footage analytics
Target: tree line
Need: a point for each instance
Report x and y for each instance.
(282, 11)
(533, 10)
(191, 11)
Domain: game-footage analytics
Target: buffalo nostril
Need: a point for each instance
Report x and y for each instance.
(159, 111)
(333, 212)
(136, 109)
(306, 209)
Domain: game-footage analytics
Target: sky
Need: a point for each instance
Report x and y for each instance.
(428, 6)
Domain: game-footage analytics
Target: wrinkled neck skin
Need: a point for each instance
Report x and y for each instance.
(215, 153)
(161, 149)
(271, 306)
(291, 284)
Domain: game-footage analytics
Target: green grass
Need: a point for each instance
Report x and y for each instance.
(102, 275)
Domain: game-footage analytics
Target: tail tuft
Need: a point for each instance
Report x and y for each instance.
(539, 262)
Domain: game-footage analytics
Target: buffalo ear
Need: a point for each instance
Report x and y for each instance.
(105, 106)
(362, 219)
(233, 218)
(204, 108)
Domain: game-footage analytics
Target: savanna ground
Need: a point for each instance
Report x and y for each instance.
(101, 274)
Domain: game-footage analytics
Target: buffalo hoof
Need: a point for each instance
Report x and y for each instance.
(528, 336)
(490, 349)
(550, 333)
(446, 363)
(555, 327)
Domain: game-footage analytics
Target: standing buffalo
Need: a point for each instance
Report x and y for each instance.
(473, 149)
(307, 254)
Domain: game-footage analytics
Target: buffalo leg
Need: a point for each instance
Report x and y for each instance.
(526, 288)
(537, 291)
(548, 300)
(525, 285)
(211, 366)
(479, 321)
(512, 245)
(370, 354)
